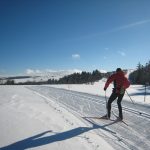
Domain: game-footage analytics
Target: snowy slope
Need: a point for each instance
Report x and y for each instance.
(32, 121)
(37, 75)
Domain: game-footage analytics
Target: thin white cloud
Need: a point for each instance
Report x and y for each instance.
(75, 56)
(127, 26)
(122, 53)
(106, 48)
(32, 71)
(103, 71)
(131, 25)
(37, 71)
(104, 57)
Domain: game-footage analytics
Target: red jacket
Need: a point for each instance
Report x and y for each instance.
(120, 79)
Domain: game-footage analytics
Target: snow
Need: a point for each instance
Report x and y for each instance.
(136, 92)
(34, 120)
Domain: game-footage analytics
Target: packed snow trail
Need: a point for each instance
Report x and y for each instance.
(32, 121)
(135, 136)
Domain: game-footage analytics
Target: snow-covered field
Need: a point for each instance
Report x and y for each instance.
(44, 118)
(31, 121)
(136, 92)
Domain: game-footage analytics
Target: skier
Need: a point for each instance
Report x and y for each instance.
(121, 83)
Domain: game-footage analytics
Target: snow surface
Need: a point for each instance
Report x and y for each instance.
(34, 120)
(31, 121)
(136, 92)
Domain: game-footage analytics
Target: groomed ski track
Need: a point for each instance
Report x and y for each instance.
(134, 135)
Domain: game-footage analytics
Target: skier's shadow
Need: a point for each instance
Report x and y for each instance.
(38, 140)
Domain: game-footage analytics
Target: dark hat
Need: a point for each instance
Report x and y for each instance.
(118, 69)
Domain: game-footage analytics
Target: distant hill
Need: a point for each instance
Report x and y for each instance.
(42, 76)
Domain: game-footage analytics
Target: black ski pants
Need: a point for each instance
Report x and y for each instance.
(111, 99)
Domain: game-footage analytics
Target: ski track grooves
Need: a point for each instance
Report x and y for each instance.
(83, 105)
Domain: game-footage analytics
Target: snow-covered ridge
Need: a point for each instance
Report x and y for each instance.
(37, 75)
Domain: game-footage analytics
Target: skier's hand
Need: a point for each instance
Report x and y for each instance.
(105, 89)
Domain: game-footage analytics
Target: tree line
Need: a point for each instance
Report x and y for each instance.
(79, 78)
(75, 78)
(141, 75)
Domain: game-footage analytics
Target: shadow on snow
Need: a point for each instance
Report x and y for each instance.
(38, 140)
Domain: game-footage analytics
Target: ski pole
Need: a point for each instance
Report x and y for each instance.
(145, 93)
(106, 104)
(132, 100)
(130, 97)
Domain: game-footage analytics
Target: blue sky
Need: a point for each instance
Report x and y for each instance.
(73, 34)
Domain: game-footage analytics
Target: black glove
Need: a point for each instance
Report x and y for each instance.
(105, 89)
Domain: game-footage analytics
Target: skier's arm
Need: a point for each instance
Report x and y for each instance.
(110, 79)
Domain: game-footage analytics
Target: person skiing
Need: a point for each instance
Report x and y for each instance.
(121, 83)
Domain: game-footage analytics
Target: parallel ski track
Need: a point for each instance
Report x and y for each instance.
(98, 101)
(126, 140)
